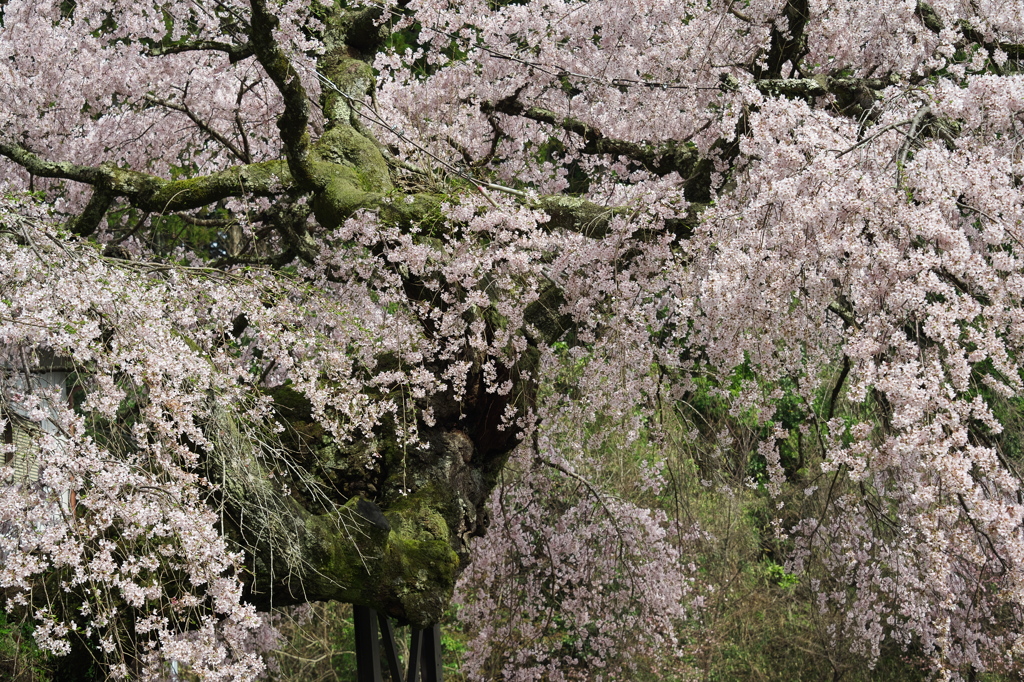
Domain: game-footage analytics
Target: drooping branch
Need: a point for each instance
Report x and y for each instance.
(333, 205)
(676, 156)
(36, 165)
(235, 52)
(153, 193)
(660, 158)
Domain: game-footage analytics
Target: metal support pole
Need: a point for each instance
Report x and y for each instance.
(415, 654)
(390, 650)
(364, 620)
(433, 668)
(424, 664)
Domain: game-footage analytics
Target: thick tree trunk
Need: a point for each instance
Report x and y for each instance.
(372, 522)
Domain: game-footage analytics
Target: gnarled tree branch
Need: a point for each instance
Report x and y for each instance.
(153, 193)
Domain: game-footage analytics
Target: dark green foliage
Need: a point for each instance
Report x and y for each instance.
(20, 658)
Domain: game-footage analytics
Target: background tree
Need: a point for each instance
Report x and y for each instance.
(317, 269)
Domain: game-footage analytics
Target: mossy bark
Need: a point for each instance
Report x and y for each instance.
(372, 522)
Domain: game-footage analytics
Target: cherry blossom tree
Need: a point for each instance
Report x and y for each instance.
(316, 269)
